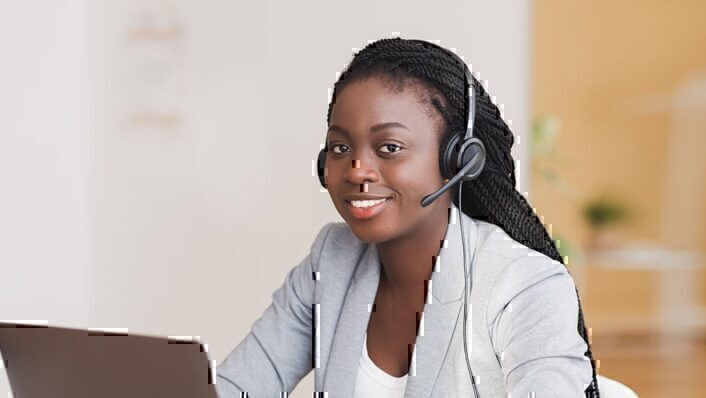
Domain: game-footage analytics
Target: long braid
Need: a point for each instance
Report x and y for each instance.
(493, 197)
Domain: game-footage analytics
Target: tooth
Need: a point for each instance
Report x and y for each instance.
(366, 203)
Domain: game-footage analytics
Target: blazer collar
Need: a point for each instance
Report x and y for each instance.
(438, 319)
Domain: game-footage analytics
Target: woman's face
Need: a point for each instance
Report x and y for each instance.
(384, 144)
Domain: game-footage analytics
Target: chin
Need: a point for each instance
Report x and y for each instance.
(371, 232)
(368, 238)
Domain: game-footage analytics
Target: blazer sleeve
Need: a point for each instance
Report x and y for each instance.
(533, 311)
(277, 352)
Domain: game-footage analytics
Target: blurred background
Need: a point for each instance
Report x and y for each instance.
(152, 151)
(618, 172)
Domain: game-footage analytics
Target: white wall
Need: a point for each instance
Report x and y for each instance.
(44, 204)
(44, 188)
(194, 225)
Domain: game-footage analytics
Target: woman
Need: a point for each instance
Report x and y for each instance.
(377, 307)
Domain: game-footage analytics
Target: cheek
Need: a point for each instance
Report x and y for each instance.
(417, 177)
(335, 171)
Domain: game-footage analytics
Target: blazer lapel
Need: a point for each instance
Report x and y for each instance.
(441, 313)
(342, 369)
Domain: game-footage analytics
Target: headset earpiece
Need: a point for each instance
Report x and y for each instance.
(321, 166)
(469, 149)
(457, 153)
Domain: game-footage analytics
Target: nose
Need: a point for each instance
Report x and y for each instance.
(361, 173)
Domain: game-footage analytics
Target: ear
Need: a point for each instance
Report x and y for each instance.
(444, 141)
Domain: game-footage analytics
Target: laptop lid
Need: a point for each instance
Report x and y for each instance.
(45, 361)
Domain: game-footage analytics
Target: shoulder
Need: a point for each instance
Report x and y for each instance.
(509, 268)
(495, 243)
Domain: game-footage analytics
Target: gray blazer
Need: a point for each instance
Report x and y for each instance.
(522, 330)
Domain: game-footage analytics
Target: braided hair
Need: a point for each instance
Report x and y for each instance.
(440, 80)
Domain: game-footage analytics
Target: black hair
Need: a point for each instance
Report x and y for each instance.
(493, 197)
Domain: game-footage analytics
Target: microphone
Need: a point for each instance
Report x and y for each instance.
(429, 199)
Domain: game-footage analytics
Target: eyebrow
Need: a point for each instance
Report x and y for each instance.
(373, 129)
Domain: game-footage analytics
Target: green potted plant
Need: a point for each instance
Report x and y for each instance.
(602, 212)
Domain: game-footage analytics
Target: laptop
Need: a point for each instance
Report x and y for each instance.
(45, 361)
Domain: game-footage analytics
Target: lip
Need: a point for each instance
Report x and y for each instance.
(348, 198)
(366, 212)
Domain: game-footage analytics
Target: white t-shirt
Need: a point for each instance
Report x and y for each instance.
(373, 382)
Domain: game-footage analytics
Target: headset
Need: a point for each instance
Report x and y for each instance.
(461, 158)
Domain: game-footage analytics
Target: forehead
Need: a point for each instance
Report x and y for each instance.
(374, 100)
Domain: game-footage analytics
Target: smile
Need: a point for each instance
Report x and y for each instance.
(364, 209)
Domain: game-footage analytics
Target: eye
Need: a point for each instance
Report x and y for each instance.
(393, 146)
(334, 146)
(341, 148)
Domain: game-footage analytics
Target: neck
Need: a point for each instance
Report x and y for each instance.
(408, 261)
